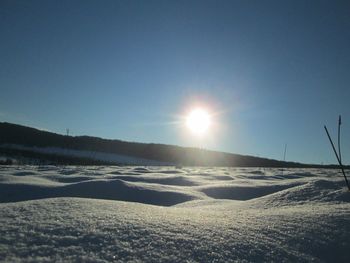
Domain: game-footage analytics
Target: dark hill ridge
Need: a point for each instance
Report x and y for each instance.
(22, 135)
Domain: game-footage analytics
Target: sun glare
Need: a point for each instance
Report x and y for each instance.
(198, 121)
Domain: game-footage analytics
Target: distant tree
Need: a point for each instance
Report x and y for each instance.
(6, 162)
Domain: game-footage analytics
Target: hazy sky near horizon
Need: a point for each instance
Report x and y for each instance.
(271, 72)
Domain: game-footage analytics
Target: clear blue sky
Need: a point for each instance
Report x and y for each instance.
(274, 72)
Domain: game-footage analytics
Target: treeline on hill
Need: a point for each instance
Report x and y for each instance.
(21, 135)
(35, 158)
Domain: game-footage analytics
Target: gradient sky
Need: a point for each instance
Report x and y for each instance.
(272, 72)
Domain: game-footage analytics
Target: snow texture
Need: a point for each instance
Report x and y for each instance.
(163, 214)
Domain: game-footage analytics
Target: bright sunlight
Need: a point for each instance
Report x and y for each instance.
(198, 121)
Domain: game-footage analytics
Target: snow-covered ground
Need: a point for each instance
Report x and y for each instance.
(163, 214)
(93, 155)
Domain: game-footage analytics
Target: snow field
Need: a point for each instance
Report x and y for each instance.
(163, 214)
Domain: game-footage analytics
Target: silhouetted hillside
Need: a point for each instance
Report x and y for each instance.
(21, 135)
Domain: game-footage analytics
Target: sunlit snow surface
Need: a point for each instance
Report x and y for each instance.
(163, 214)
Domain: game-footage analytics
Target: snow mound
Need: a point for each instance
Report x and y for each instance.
(160, 179)
(318, 190)
(100, 189)
(244, 192)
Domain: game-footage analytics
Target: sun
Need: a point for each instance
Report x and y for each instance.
(198, 121)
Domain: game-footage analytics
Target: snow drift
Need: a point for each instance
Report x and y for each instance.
(152, 214)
